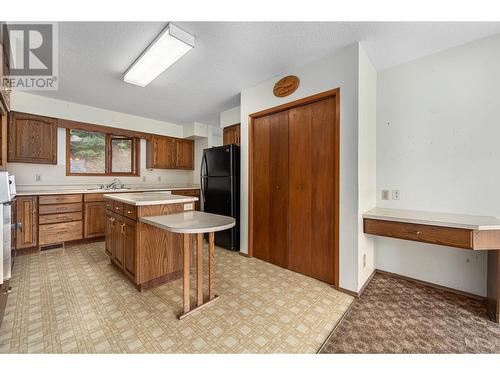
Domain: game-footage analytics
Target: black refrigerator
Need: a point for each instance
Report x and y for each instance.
(220, 189)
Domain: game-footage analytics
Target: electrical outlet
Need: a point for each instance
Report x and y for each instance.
(159, 178)
(385, 195)
(364, 260)
(395, 195)
(144, 178)
(38, 177)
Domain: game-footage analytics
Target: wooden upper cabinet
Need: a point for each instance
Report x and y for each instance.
(185, 154)
(170, 153)
(232, 135)
(32, 139)
(161, 153)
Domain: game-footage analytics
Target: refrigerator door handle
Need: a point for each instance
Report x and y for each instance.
(203, 180)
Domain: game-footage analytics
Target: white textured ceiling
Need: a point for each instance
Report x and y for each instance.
(228, 57)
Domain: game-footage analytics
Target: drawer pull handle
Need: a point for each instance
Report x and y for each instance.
(129, 212)
(418, 232)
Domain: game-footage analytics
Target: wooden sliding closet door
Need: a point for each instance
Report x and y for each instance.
(312, 189)
(270, 188)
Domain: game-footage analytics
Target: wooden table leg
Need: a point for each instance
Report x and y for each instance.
(493, 285)
(185, 279)
(211, 266)
(199, 268)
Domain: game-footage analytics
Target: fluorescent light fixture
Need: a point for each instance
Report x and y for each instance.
(167, 48)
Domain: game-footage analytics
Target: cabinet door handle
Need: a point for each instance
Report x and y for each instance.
(299, 187)
(123, 228)
(277, 187)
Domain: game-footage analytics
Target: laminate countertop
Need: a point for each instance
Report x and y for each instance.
(58, 191)
(150, 199)
(439, 219)
(190, 222)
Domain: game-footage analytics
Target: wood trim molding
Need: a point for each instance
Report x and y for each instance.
(71, 124)
(334, 93)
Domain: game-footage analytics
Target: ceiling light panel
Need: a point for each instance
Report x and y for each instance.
(166, 49)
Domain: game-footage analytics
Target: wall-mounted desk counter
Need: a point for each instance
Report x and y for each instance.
(462, 231)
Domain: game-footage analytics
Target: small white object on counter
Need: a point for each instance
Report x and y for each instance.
(150, 199)
(190, 222)
(439, 219)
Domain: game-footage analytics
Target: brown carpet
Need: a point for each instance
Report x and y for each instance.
(399, 316)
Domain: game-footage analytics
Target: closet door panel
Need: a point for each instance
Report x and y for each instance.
(300, 190)
(270, 188)
(323, 189)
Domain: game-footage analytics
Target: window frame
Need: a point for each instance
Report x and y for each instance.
(135, 167)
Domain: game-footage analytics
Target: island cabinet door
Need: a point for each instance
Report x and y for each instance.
(109, 233)
(117, 246)
(129, 237)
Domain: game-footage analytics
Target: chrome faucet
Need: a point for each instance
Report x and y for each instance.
(116, 182)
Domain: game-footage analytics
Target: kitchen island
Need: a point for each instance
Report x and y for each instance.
(148, 255)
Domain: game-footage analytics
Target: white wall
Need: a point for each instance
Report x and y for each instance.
(437, 141)
(337, 70)
(230, 117)
(367, 115)
(56, 175)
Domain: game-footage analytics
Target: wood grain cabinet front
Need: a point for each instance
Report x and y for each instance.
(446, 236)
(184, 154)
(169, 153)
(32, 139)
(27, 222)
(231, 135)
(60, 232)
(94, 219)
(129, 241)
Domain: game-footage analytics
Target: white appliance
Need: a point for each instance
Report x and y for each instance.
(7, 196)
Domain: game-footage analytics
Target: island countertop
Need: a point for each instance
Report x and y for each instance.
(150, 199)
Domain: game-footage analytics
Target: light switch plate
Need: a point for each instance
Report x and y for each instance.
(188, 206)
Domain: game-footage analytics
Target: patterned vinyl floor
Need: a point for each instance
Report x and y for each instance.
(400, 316)
(74, 301)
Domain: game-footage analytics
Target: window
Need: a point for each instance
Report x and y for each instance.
(94, 153)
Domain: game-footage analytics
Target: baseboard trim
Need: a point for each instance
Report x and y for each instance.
(363, 287)
(432, 285)
(347, 291)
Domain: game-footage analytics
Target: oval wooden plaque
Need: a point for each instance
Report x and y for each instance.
(286, 85)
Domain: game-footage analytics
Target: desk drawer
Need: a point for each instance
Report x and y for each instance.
(58, 199)
(59, 208)
(454, 237)
(55, 233)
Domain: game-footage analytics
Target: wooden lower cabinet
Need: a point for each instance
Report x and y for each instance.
(60, 218)
(147, 255)
(95, 216)
(129, 241)
(27, 222)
